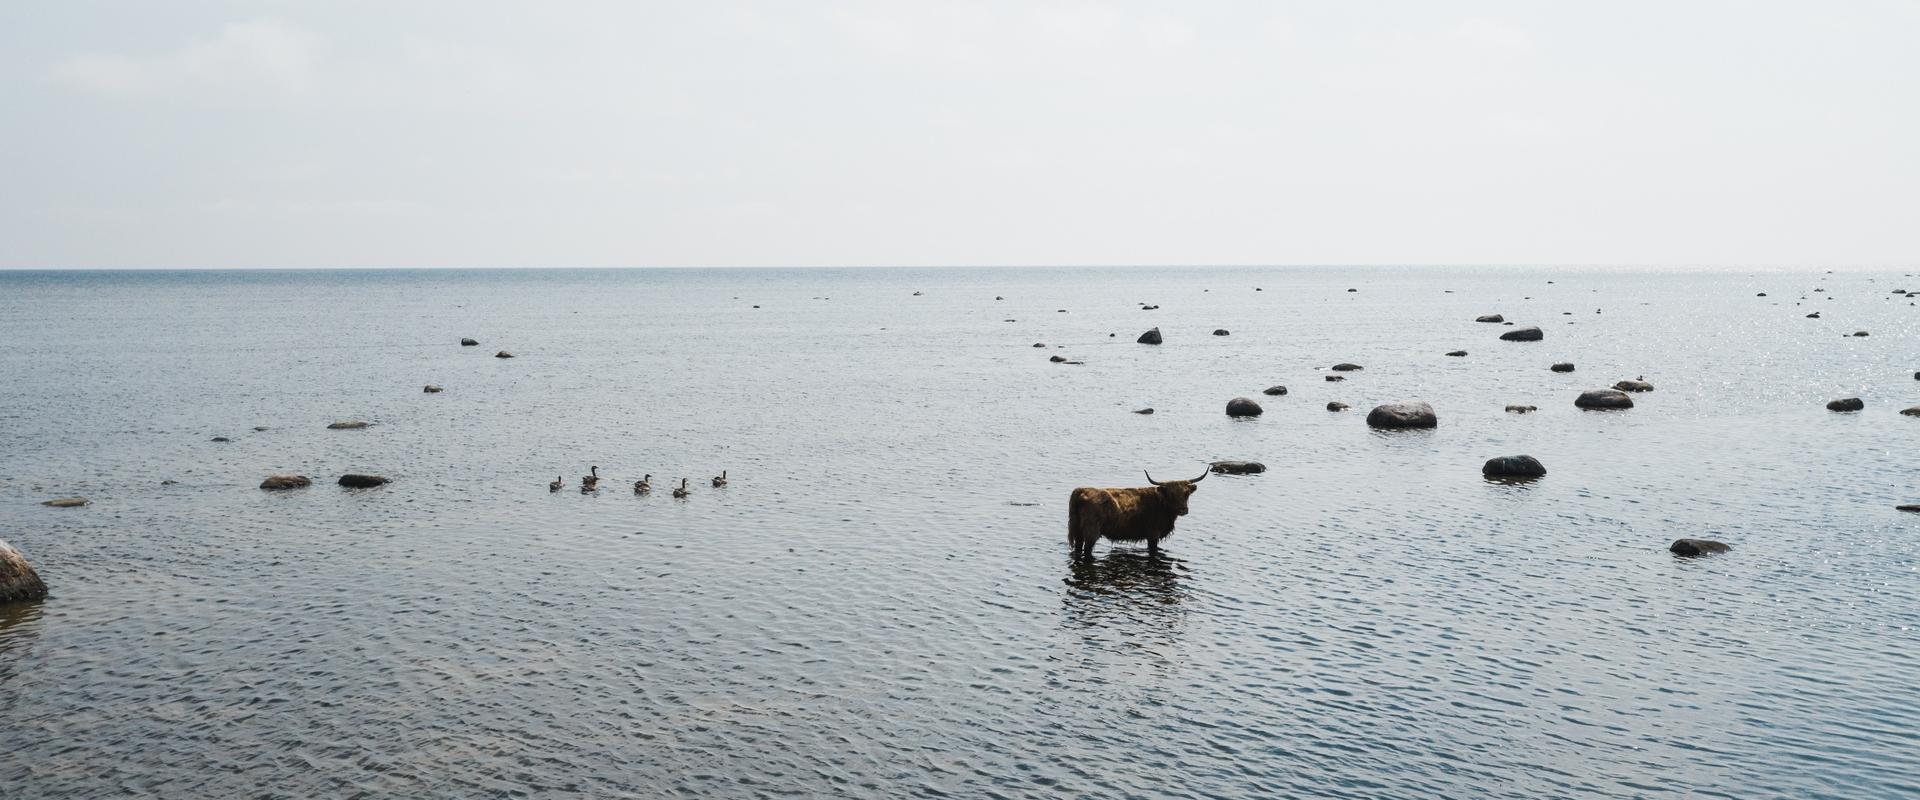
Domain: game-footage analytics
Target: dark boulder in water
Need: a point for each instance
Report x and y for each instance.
(1697, 547)
(1912, 507)
(432, 389)
(221, 439)
(1143, 411)
(351, 425)
(1057, 359)
(1039, 344)
(359, 481)
(277, 482)
(1346, 367)
(1527, 334)
(1243, 407)
(1513, 467)
(1634, 386)
(65, 502)
(505, 354)
(1336, 406)
(1274, 391)
(1564, 366)
(1911, 412)
(1237, 467)
(468, 342)
(1522, 409)
(1150, 337)
(18, 581)
(1401, 415)
(1490, 318)
(1814, 315)
(1859, 333)
(1333, 378)
(1457, 353)
(1220, 332)
(1603, 399)
(1847, 404)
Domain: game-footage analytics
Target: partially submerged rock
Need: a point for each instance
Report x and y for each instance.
(1143, 411)
(1910, 507)
(1336, 405)
(349, 425)
(65, 502)
(1513, 467)
(1859, 333)
(1150, 337)
(1697, 547)
(468, 342)
(1274, 391)
(1237, 467)
(1402, 415)
(1911, 412)
(1527, 334)
(1846, 404)
(1603, 399)
(1057, 359)
(1220, 332)
(505, 354)
(1334, 378)
(1564, 366)
(432, 389)
(1490, 318)
(1522, 409)
(1635, 385)
(221, 439)
(1243, 407)
(1346, 367)
(1457, 353)
(278, 482)
(359, 481)
(18, 581)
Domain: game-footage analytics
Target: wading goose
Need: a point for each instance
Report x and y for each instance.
(591, 481)
(556, 483)
(644, 485)
(721, 480)
(681, 490)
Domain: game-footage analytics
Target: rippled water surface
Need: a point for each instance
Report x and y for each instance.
(882, 602)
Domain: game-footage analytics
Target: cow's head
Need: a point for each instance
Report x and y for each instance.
(1175, 493)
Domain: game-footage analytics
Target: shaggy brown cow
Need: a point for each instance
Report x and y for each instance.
(1126, 515)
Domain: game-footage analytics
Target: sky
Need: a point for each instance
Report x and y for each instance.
(426, 133)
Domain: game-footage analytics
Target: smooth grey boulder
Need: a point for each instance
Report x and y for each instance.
(1402, 415)
(1635, 385)
(18, 581)
(351, 425)
(1336, 405)
(1243, 407)
(1150, 337)
(1513, 467)
(1345, 367)
(1847, 404)
(1057, 359)
(1527, 334)
(1274, 391)
(278, 482)
(468, 343)
(1564, 366)
(1490, 318)
(1603, 399)
(1697, 547)
(1237, 467)
(65, 502)
(359, 481)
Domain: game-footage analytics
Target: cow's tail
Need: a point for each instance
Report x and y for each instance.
(1076, 519)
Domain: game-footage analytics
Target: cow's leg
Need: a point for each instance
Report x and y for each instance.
(1153, 546)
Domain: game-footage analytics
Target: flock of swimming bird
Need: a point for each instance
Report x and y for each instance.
(590, 483)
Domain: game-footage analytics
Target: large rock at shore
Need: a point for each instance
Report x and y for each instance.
(1237, 467)
(1564, 366)
(1697, 547)
(1150, 337)
(1243, 407)
(1603, 399)
(1634, 386)
(351, 425)
(1404, 414)
(1490, 318)
(468, 343)
(1274, 391)
(65, 502)
(1527, 334)
(1847, 404)
(18, 581)
(1513, 467)
(359, 481)
(276, 482)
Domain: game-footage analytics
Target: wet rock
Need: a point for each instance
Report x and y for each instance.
(1762, 294)
(1404, 414)
(18, 581)
(1237, 467)
(1914, 508)
(65, 502)
(1635, 385)
(221, 439)
(1243, 407)
(1149, 308)
(432, 389)
(1335, 378)
(1220, 332)
(1603, 399)
(349, 425)
(1527, 334)
(1337, 406)
(1697, 547)
(278, 482)
(1345, 367)
(1846, 404)
(505, 354)
(998, 297)
(1814, 315)
(1150, 337)
(469, 342)
(1057, 359)
(1353, 290)
(258, 428)
(1513, 467)
(1143, 411)
(1564, 366)
(1274, 391)
(1490, 318)
(1458, 353)
(1859, 333)
(1522, 409)
(1911, 412)
(1039, 344)
(358, 481)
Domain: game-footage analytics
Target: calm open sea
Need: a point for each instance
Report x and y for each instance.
(882, 602)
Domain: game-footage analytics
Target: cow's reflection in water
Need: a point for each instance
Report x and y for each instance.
(1127, 597)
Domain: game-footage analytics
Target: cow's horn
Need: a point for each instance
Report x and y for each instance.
(1203, 475)
(1151, 480)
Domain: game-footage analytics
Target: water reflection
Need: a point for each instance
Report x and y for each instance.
(19, 630)
(1126, 594)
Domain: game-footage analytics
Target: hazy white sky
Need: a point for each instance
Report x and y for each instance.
(380, 133)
